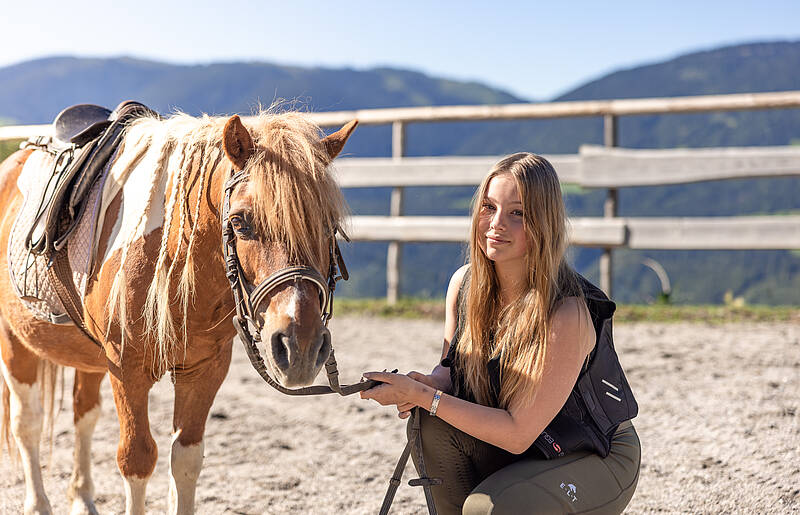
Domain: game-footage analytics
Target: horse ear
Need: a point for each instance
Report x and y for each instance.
(236, 142)
(334, 143)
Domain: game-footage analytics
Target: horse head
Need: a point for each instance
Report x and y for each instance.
(282, 212)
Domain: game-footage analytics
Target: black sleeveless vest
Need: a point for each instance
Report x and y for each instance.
(600, 400)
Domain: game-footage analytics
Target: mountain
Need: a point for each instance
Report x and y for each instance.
(34, 91)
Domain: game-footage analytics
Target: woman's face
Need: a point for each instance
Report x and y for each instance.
(500, 221)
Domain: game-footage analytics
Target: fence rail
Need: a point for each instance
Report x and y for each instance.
(593, 167)
(623, 107)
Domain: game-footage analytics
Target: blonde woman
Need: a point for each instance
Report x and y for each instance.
(528, 411)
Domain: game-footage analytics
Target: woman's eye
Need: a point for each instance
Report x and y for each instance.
(487, 206)
(516, 212)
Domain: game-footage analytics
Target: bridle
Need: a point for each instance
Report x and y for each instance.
(247, 299)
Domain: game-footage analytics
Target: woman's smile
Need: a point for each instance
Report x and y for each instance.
(496, 240)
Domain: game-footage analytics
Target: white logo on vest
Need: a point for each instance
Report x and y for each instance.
(570, 490)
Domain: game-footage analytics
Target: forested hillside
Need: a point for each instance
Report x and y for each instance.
(33, 92)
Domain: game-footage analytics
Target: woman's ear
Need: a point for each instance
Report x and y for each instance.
(236, 142)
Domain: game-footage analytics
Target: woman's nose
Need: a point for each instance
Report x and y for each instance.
(497, 221)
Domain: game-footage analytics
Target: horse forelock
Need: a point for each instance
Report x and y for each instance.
(296, 199)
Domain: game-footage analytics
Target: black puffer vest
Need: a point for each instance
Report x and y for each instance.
(600, 400)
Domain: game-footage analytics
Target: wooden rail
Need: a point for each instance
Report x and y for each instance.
(625, 107)
(593, 167)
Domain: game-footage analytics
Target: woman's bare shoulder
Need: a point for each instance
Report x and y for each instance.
(452, 289)
(572, 319)
(458, 277)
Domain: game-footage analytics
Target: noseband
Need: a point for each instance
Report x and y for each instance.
(247, 299)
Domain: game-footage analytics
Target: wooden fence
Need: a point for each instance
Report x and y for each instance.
(593, 167)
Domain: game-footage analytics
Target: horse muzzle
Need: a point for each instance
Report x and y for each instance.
(295, 362)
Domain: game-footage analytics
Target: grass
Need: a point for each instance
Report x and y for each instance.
(405, 308)
(706, 313)
(711, 314)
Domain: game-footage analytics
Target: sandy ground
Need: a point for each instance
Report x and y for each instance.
(719, 423)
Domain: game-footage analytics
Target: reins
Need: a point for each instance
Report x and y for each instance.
(247, 301)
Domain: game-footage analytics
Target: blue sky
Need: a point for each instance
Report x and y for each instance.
(536, 50)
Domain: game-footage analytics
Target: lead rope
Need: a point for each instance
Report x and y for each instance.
(415, 441)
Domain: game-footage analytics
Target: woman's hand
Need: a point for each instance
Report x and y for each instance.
(436, 382)
(405, 391)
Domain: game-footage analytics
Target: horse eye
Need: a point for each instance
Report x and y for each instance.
(240, 225)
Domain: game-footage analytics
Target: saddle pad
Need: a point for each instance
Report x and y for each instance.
(29, 272)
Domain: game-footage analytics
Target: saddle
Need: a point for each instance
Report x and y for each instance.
(51, 244)
(84, 138)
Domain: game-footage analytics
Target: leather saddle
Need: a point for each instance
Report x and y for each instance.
(85, 136)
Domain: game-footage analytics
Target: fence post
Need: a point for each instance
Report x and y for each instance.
(394, 254)
(610, 133)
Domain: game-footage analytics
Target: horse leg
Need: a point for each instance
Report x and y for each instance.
(20, 368)
(137, 451)
(195, 389)
(86, 411)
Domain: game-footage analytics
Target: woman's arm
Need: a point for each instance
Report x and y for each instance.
(571, 338)
(439, 378)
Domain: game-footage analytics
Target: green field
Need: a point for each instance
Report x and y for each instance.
(709, 314)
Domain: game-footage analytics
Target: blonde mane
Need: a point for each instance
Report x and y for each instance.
(296, 202)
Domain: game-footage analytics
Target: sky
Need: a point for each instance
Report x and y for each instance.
(533, 49)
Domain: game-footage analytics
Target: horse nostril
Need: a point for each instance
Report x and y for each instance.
(280, 350)
(324, 348)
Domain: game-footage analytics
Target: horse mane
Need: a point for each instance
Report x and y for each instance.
(296, 202)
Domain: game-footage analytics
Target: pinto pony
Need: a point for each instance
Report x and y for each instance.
(158, 299)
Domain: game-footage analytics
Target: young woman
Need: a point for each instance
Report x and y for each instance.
(514, 419)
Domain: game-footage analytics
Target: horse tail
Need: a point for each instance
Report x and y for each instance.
(50, 376)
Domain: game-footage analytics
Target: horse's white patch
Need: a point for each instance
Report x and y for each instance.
(135, 491)
(81, 489)
(293, 305)
(26, 426)
(138, 214)
(185, 463)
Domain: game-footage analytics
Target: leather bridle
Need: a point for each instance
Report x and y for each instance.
(247, 299)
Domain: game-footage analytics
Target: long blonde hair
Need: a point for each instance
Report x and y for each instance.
(518, 332)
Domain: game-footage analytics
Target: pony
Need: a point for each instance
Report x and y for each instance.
(158, 299)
